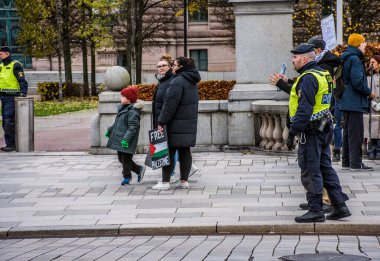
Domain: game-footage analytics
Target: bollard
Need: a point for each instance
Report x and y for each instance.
(24, 124)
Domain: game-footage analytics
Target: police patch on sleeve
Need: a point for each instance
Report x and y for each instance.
(21, 74)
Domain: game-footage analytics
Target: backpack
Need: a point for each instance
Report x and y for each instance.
(339, 84)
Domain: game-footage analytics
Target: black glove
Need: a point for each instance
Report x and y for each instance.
(290, 142)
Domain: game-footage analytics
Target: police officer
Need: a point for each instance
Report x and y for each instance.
(12, 84)
(310, 119)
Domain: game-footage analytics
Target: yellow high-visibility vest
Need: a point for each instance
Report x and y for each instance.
(322, 98)
(8, 81)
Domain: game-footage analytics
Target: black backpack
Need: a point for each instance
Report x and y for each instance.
(339, 84)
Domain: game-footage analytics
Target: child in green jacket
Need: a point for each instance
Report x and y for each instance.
(124, 133)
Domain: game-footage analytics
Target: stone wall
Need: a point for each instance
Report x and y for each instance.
(212, 124)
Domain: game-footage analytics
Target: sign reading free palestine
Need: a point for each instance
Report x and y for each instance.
(158, 148)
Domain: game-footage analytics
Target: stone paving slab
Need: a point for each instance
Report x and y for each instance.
(199, 247)
(76, 194)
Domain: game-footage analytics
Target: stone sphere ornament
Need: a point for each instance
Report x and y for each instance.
(116, 78)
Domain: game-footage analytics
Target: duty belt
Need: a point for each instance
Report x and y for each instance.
(316, 116)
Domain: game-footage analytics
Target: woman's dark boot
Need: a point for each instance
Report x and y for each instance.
(336, 155)
(377, 149)
(371, 152)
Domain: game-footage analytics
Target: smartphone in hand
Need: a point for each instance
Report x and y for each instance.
(282, 72)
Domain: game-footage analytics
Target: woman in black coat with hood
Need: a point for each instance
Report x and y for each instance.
(179, 114)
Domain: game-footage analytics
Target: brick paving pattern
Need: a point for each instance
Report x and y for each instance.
(173, 248)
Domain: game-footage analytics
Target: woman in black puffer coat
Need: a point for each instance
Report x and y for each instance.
(180, 115)
(164, 76)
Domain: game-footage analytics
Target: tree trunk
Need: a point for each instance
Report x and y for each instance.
(86, 91)
(60, 91)
(129, 37)
(66, 45)
(93, 69)
(139, 12)
(138, 59)
(50, 63)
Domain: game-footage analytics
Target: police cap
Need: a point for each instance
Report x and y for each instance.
(5, 49)
(303, 48)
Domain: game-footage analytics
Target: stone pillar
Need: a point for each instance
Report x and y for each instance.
(115, 79)
(24, 124)
(264, 38)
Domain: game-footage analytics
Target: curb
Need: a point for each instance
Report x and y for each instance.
(247, 228)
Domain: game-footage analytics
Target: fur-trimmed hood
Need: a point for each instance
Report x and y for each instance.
(139, 104)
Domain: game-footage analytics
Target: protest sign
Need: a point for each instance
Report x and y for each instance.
(328, 32)
(158, 154)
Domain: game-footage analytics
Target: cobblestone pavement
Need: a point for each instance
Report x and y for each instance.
(80, 195)
(211, 248)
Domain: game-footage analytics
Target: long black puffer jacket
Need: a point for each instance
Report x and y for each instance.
(180, 109)
(159, 94)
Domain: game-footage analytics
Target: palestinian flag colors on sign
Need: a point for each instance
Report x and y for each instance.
(158, 155)
(159, 150)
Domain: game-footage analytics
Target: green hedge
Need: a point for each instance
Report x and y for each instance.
(50, 91)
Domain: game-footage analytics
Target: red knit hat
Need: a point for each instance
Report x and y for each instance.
(131, 93)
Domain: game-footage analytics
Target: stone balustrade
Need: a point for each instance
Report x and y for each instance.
(271, 116)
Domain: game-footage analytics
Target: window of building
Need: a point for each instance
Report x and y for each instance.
(199, 16)
(10, 30)
(201, 59)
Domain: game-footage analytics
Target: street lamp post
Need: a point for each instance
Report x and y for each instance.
(185, 28)
(339, 21)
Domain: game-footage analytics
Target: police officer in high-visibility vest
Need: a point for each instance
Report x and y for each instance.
(311, 121)
(12, 84)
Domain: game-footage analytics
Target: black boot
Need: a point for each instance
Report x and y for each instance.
(377, 149)
(371, 152)
(311, 216)
(339, 213)
(326, 208)
(336, 155)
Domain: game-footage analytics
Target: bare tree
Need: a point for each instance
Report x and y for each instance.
(142, 23)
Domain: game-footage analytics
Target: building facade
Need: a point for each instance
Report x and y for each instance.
(9, 30)
(209, 43)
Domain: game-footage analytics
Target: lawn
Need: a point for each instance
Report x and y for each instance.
(47, 108)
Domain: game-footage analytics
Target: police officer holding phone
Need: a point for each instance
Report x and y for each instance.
(12, 84)
(311, 121)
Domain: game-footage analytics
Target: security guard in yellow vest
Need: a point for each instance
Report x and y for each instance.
(12, 84)
(310, 119)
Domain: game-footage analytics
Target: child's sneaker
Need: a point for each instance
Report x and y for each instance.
(184, 185)
(125, 181)
(193, 170)
(140, 176)
(162, 186)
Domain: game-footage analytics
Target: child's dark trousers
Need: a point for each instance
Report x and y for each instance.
(128, 164)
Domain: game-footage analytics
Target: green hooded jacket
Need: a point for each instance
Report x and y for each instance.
(126, 126)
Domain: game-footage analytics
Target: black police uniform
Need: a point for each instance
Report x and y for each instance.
(8, 103)
(314, 157)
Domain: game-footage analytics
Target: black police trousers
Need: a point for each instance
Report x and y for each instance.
(8, 115)
(314, 159)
